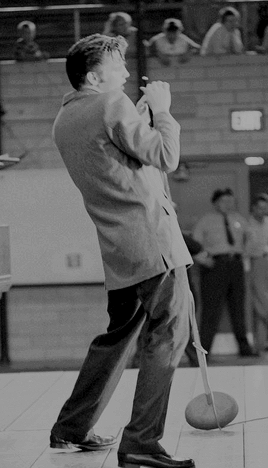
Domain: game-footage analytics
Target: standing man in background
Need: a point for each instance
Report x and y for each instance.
(116, 159)
(257, 250)
(222, 234)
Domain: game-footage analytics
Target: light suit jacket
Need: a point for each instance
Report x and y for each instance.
(115, 159)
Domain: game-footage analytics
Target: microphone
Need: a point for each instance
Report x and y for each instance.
(145, 79)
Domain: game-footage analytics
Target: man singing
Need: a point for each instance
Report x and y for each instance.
(116, 159)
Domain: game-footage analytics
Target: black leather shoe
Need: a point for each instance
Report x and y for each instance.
(94, 442)
(157, 460)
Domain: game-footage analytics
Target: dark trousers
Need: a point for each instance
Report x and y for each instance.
(223, 282)
(160, 304)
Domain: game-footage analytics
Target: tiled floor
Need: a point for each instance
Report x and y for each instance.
(32, 392)
(30, 402)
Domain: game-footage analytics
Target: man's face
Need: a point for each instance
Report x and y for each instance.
(225, 204)
(231, 23)
(112, 72)
(172, 36)
(27, 34)
(260, 210)
(120, 26)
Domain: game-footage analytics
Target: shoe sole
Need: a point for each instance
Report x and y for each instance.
(90, 448)
(123, 464)
(141, 465)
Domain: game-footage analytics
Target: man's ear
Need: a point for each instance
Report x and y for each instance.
(92, 78)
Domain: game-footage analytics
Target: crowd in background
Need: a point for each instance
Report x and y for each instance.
(204, 37)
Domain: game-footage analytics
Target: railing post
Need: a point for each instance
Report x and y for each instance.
(77, 26)
(141, 58)
(244, 25)
(4, 330)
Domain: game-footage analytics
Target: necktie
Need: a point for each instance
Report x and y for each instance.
(229, 234)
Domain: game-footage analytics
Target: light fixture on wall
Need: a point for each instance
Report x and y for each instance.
(247, 120)
(254, 161)
(182, 174)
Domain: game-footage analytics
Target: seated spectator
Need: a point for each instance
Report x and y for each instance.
(120, 24)
(26, 49)
(171, 42)
(224, 37)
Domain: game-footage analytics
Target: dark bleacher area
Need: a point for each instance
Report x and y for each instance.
(55, 28)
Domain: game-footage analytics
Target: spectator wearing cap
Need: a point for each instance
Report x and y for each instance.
(224, 37)
(119, 23)
(171, 42)
(257, 250)
(26, 49)
(222, 233)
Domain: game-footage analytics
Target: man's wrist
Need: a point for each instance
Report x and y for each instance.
(159, 111)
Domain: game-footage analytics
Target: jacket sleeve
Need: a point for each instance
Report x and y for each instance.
(158, 146)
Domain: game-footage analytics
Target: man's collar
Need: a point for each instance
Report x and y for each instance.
(89, 89)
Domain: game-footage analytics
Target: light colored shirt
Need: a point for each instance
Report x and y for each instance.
(257, 237)
(179, 47)
(220, 41)
(210, 232)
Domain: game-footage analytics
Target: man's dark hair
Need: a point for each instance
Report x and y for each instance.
(172, 27)
(86, 54)
(221, 193)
